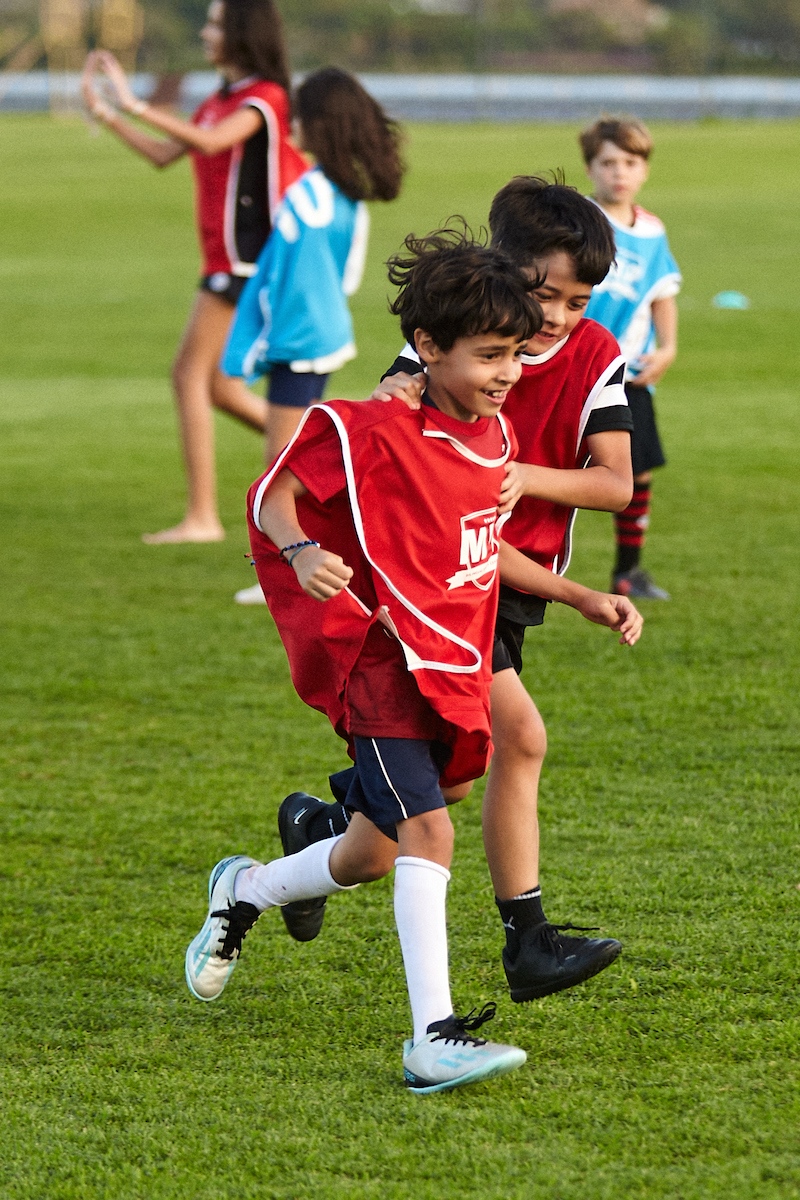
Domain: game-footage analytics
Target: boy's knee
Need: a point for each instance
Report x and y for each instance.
(525, 736)
(361, 860)
(427, 835)
(452, 795)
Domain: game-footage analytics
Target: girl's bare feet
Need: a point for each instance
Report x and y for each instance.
(187, 531)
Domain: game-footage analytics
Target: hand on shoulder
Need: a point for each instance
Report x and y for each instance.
(408, 388)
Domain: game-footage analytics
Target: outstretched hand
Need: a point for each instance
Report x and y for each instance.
(111, 68)
(408, 388)
(615, 612)
(91, 96)
(320, 573)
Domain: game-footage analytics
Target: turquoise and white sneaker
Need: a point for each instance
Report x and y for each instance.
(212, 955)
(449, 1057)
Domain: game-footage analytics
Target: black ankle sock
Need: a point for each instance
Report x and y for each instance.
(627, 558)
(327, 822)
(520, 914)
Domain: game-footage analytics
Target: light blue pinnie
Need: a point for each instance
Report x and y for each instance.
(294, 309)
(644, 271)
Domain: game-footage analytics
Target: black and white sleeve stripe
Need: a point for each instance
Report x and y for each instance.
(610, 408)
(407, 360)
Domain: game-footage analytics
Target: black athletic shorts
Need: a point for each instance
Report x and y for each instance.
(507, 649)
(646, 449)
(227, 287)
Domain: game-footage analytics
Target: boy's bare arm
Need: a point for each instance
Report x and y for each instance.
(665, 321)
(616, 612)
(606, 484)
(319, 573)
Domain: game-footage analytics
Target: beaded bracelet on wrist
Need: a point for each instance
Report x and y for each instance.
(295, 547)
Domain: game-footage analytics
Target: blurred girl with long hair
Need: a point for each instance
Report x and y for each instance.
(243, 162)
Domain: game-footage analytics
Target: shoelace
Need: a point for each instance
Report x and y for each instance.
(550, 934)
(458, 1029)
(241, 918)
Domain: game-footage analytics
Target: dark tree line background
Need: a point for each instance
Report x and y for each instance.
(684, 36)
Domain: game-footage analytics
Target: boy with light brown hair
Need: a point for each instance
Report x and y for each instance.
(636, 302)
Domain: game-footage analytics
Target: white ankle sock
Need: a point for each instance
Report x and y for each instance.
(420, 893)
(298, 877)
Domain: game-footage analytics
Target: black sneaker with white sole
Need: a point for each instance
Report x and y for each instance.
(546, 961)
(303, 918)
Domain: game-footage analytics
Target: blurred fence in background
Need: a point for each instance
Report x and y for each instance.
(488, 97)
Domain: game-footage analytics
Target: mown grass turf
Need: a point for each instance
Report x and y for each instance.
(150, 727)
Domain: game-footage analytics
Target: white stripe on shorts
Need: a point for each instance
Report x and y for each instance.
(388, 780)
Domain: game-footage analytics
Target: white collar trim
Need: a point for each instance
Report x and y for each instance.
(533, 360)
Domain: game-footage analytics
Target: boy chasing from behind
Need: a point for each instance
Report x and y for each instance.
(389, 517)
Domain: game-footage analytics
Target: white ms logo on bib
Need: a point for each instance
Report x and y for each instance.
(480, 539)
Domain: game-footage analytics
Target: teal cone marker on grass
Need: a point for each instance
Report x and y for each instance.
(730, 300)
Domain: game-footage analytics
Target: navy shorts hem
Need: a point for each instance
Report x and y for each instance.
(394, 779)
(294, 389)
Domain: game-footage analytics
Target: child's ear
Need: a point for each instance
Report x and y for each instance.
(425, 346)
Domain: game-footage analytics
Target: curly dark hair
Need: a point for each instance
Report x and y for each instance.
(531, 217)
(253, 40)
(453, 285)
(355, 143)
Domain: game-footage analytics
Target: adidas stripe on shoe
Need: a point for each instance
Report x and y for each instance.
(212, 955)
(450, 1057)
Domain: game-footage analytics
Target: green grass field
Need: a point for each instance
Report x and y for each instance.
(150, 727)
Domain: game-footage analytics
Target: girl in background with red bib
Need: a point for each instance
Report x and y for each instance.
(243, 163)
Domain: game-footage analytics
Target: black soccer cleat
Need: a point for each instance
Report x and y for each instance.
(303, 918)
(548, 962)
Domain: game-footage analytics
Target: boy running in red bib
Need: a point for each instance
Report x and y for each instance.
(572, 420)
(390, 517)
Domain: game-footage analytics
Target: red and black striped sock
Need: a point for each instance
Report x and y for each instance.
(631, 529)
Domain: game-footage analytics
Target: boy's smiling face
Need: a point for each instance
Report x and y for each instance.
(617, 175)
(562, 298)
(473, 377)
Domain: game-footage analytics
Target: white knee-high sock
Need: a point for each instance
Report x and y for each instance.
(298, 877)
(420, 893)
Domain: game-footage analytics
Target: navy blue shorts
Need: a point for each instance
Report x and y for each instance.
(294, 389)
(393, 779)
